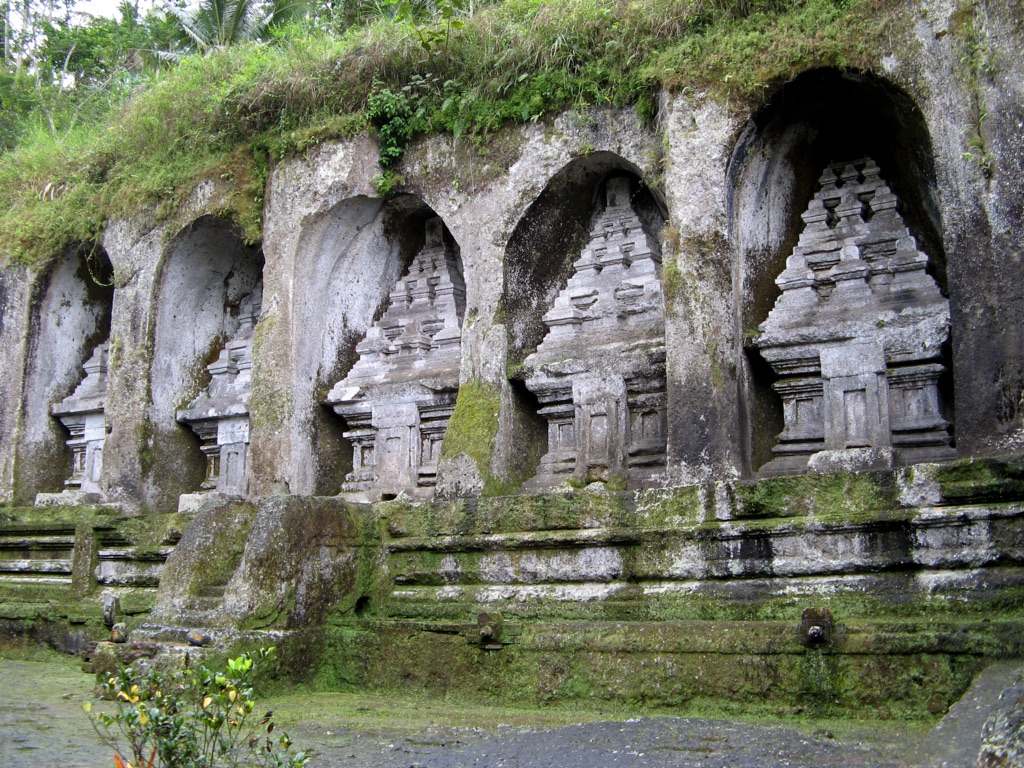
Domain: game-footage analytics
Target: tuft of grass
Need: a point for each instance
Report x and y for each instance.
(230, 115)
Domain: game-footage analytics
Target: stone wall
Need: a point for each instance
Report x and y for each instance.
(614, 328)
(720, 195)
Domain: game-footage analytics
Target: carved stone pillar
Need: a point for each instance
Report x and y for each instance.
(599, 374)
(856, 337)
(82, 414)
(397, 399)
(220, 414)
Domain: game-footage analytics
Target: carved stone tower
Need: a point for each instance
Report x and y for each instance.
(856, 337)
(82, 414)
(398, 397)
(599, 374)
(220, 414)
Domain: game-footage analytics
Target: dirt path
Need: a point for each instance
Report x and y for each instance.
(42, 724)
(41, 718)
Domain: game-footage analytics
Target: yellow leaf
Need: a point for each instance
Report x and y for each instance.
(207, 701)
(143, 718)
(87, 706)
(232, 695)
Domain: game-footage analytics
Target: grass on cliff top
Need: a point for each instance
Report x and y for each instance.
(227, 116)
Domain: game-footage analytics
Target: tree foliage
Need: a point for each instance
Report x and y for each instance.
(102, 48)
(213, 24)
(75, 69)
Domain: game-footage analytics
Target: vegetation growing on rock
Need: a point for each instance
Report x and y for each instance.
(227, 115)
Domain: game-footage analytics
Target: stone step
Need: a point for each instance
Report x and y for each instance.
(36, 566)
(166, 643)
(22, 541)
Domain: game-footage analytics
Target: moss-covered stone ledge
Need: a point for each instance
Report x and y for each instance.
(905, 670)
(888, 544)
(692, 598)
(852, 496)
(59, 565)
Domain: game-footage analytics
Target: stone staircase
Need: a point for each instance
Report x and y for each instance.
(38, 558)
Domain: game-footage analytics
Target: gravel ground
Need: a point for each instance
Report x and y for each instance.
(648, 742)
(42, 724)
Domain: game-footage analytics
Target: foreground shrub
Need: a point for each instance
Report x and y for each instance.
(192, 718)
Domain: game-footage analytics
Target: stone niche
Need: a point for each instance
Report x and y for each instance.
(220, 414)
(856, 338)
(208, 291)
(599, 373)
(82, 414)
(398, 397)
(71, 327)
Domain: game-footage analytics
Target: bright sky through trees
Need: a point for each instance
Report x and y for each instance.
(107, 8)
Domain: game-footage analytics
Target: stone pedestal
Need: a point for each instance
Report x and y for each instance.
(599, 374)
(220, 414)
(398, 397)
(857, 335)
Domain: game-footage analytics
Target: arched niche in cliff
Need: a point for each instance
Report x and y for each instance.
(207, 282)
(585, 320)
(68, 327)
(552, 233)
(821, 117)
(353, 258)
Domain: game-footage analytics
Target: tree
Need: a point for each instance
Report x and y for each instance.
(103, 48)
(216, 24)
(68, 68)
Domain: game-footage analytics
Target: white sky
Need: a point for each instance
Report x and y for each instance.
(108, 7)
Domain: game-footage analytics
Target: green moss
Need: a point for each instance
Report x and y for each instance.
(981, 480)
(472, 429)
(217, 563)
(269, 405)
(844, 495)
(693, 668)
(474, 423)
(671, 281)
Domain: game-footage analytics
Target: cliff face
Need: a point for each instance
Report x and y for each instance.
(832, 283)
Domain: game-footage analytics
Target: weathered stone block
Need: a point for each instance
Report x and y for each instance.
(400, 394)
(220, 415)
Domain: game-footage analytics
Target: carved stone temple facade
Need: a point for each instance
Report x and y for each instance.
(860, 316)
(705, 395)
(220, 414)
(857, 335)
(397, 399)
(82, 414)
(599, 374)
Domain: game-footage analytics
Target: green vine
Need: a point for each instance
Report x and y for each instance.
(398, 115)
(977, 58)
